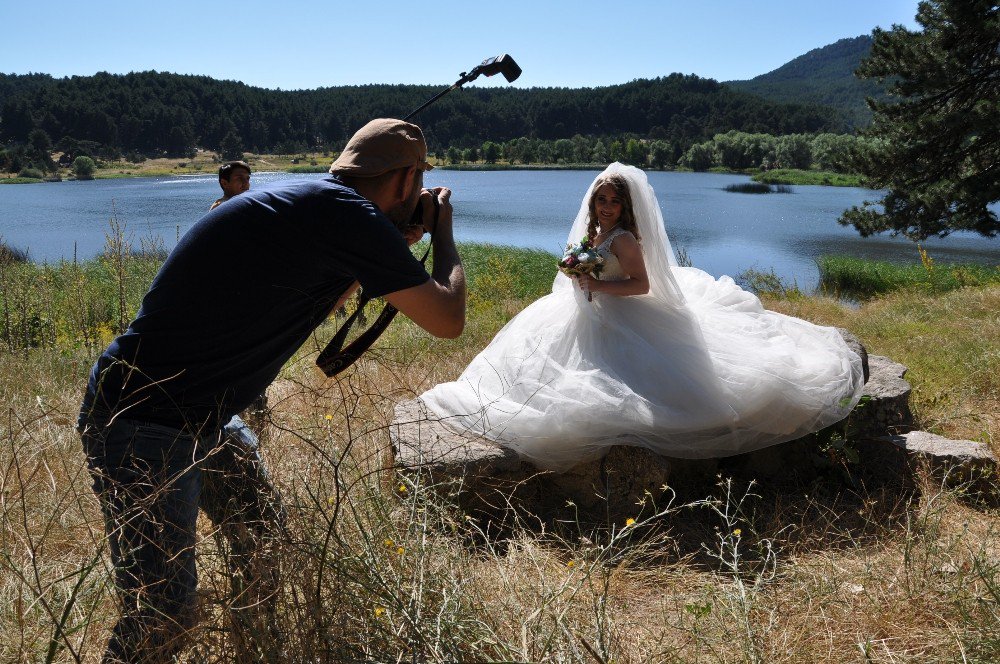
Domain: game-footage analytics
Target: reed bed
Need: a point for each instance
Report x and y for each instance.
(377, 567)
(861, 278)
(758, 188)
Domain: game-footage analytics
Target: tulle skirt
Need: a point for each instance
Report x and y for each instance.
(712, 376)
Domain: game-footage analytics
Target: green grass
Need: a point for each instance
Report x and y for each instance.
(20, 180)
(798, 176)
(63, 304)
(859, 278)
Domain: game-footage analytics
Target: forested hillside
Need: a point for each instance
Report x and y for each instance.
(823, 76)
(151, 113)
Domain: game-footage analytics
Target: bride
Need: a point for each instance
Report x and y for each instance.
(664, 357)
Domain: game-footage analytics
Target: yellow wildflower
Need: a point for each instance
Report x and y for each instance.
(379, 611)
(328, 417)
(400, 550)
(629, 522)
(571, 563)
(402, 488)
(737, 532)
(389, 543)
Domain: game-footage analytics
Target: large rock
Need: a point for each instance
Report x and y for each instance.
(960, 463)
(885, 403)
(482, 476)
(855, 344)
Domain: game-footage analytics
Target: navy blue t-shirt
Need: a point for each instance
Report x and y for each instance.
(238, 295)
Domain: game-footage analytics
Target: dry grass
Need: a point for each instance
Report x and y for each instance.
(378, 568)
(205, 162)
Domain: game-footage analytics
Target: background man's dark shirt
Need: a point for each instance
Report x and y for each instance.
(238, 295)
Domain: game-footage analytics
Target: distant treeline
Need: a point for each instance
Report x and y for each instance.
(733, 150)
(161, 114)
(737, 150)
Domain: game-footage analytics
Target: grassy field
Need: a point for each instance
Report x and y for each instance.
(798, 176)
(11, 179)
(380, 570)
(204, 162)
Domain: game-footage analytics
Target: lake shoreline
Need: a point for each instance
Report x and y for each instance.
(723, 232)
(207, 163)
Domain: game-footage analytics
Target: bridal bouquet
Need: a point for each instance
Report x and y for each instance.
(580, 258)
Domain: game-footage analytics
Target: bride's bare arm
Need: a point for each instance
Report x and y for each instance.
(629, 254)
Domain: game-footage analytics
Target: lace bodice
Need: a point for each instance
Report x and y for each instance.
(612, 268)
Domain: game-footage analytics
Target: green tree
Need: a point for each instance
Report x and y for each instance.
(83, 168)
(546, 153)
(739, 150)
(832, 152)
(581, 149)
(12, 160)
(15, 121)
(40, 149)
(600, 153)
(660, 154)
(232, 147)
(636, 152)
(616, 151)
(793, 151)
(563, 149)
(936, 141)
(491, 152)
(454, 155)
(699, 157)
(521, 149)
(180, 141)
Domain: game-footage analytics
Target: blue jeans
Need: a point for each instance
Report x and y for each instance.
(151, 480)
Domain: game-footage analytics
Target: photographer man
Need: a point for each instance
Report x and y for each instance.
(238, 295)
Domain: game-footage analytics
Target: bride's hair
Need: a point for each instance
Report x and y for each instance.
(620, 185)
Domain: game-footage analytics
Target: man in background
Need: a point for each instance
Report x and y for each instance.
(234, 178)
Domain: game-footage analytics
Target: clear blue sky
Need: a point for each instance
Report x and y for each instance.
(304, 45)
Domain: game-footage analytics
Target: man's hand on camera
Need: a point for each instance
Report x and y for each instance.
(443, 212)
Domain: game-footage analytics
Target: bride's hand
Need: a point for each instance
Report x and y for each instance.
(588, 283)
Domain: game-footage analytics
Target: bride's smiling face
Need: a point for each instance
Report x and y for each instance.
(607, 206)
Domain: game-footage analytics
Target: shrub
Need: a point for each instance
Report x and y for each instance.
(83, 168)
(33, 173)
(9, 254)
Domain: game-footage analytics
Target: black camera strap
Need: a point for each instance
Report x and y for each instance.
(333, 360)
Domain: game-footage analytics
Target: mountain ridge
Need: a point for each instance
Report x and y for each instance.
(823, 76)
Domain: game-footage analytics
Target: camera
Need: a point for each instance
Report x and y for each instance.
(417, 220)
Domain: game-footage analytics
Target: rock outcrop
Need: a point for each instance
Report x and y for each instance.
(485, 477)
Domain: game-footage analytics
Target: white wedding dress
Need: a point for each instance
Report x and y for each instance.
(697, 368)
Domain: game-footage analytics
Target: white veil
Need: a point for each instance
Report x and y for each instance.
(656, 249)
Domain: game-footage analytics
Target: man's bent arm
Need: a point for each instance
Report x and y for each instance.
(438, 304)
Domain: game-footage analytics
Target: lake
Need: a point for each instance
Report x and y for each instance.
(722, 232)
